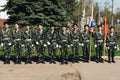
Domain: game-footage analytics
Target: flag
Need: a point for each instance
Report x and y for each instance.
(105, 29)
(91, 23)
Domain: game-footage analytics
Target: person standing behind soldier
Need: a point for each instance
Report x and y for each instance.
(64, 40)
(99, 43)
(75, 40)
(111, 43)
(28, 40)
(86, 43)
(17, 42)
(6, 42)
(39, 43)
(51, 38)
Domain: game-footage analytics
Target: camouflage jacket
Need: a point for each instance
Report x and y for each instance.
(111, 39)
(98, 37)
(85, 36)
(6, 35)
(64, 36)
(51, 37)
(75, 35)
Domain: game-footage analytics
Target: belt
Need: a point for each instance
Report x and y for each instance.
(76, 40)
(17, 39)
(99, 40)
(53, 40)
(112, 42)
(64, 40)
(6, 39)
(86, 40)
(28, 40)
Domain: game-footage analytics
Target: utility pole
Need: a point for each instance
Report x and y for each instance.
(112, 13)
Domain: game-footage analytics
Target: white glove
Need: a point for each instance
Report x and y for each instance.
(37, 43)
(9, 44)
(71, 45)
(68, 45)
(32, 45)
(57, 45)
(48, 43)
(79, 44)
(22, 45)
(115, 47)
(82, 44)
(108, 47)
(45, 45)
(95, 45)
(2, 44)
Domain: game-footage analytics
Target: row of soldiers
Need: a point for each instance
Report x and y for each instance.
(53, 39)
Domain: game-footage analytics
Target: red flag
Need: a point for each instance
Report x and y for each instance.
(105, 29)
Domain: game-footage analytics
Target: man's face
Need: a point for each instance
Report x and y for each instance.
(16, 26)
(40, 27)
(111, 30)
(52, 28)
(63, 28)
(86, 28)
(6, 26)
(100, 28)
(75, 26)
(27, 27)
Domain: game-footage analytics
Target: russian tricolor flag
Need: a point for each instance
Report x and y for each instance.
(91, 23)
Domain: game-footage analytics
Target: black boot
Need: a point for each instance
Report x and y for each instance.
(113, 60)
(5, 62)
(28, 61)
(8, 61)
(19, 60)
(16, 62)
(109, 61)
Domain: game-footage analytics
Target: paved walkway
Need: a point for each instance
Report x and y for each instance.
(88, 71)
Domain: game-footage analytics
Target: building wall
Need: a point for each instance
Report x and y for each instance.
(2, 22)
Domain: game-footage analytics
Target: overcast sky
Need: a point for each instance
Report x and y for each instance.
(101, 3)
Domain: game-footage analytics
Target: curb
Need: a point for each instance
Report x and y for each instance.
(106, 57)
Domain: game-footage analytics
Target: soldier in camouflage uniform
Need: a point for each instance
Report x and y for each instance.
(86, 43)
(75, 40)
(99, 43)
(27, 37)
(64, 39)
(51, 38)
(6, 42)
(39, 43)
(111, 43)
(17, 42)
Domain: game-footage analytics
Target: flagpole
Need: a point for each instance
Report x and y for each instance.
(104, 48)
(91, 30)
(90, 46)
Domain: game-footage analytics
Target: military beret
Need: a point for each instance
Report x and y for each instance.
(86, 25)
(111, 27)
(99, 26)
(27, 24)
(75, 24)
